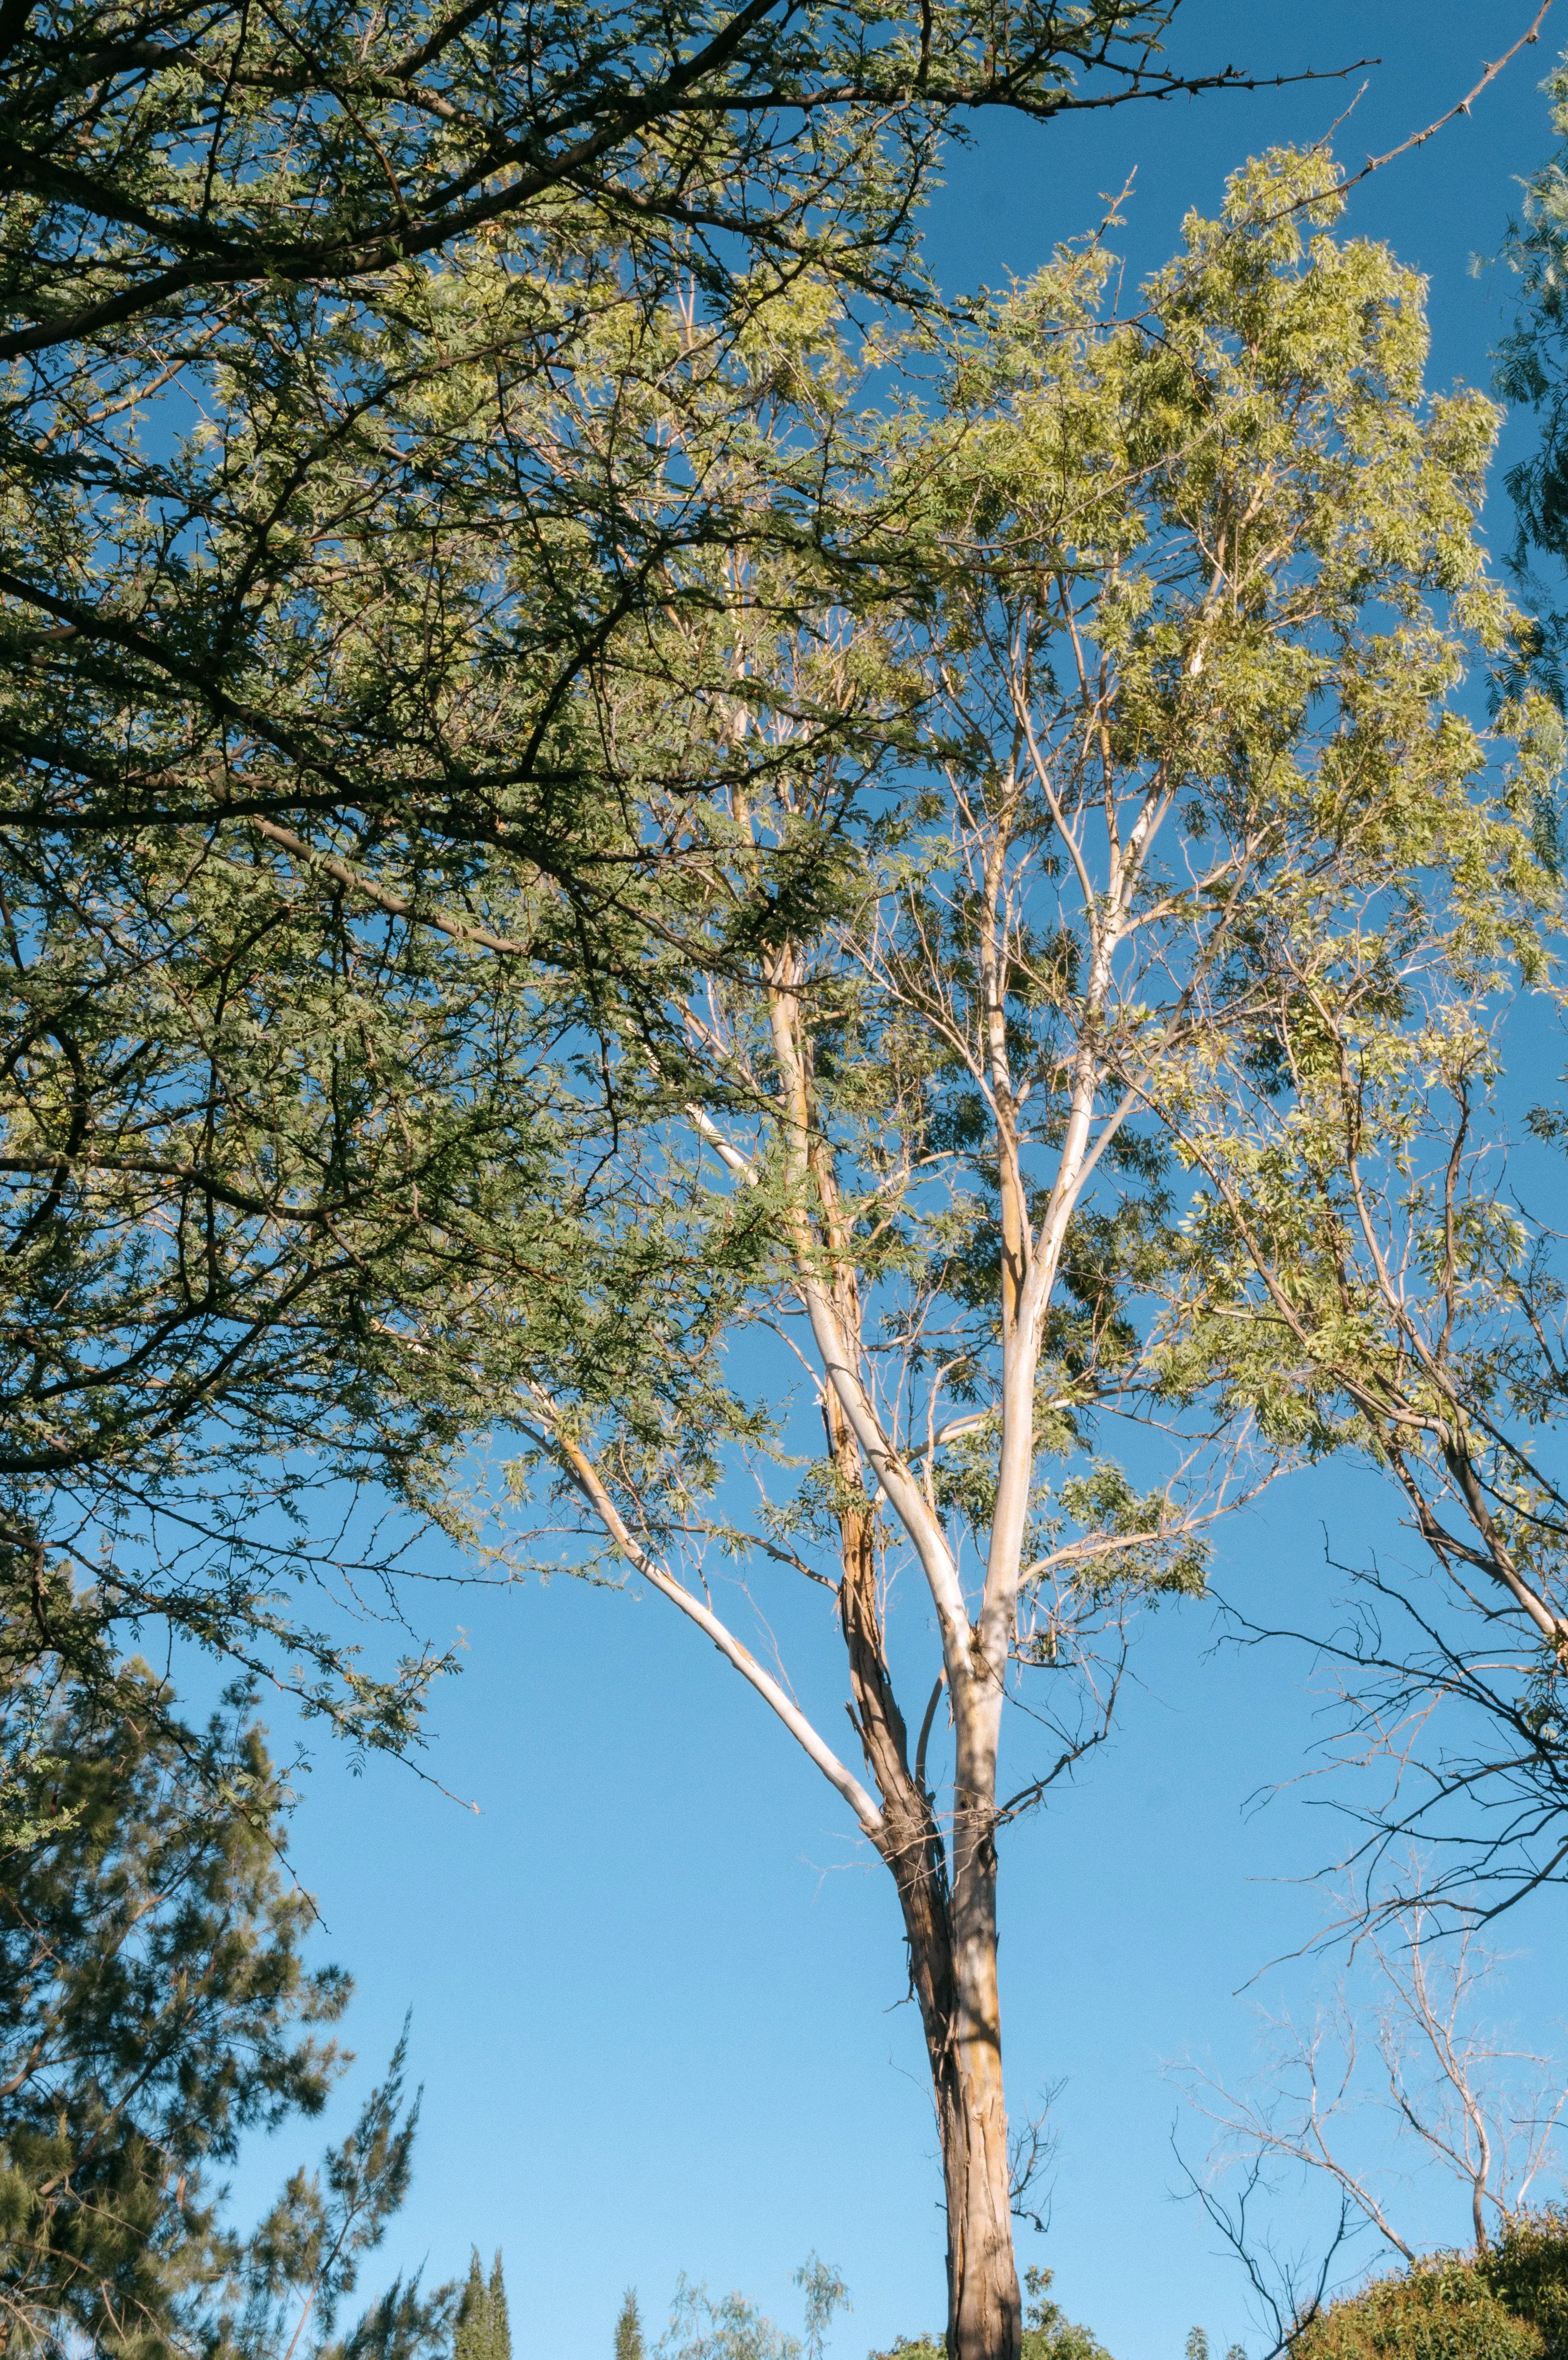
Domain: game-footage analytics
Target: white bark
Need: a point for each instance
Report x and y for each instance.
(584, 1473)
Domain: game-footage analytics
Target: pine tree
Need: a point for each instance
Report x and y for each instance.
(500, 2324)
(155, 2007)
(467, 2343)
(484, 2330)
(628, 2330)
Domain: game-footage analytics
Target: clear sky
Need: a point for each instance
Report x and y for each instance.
(656, 1989)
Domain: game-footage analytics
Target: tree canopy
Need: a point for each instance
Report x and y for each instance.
(377, 386)
(1175, 612)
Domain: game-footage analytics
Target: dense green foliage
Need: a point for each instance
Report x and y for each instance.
(482, 2331)
(372, 377)
(1164, 785)
(1507, 2302)
(629, 2340)
(154, 2007)
(158, 159)
(1526, 2266)
(154, 2004)
(1441, 2310)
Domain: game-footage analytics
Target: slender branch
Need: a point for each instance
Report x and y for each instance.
(586, 1476)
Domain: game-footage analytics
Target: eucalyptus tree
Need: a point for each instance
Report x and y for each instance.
(370, 375)
(1175, 614)
(1381, 1276)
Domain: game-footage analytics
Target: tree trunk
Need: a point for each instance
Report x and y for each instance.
(987, 2314)
(952, 1938)
(953, 1971)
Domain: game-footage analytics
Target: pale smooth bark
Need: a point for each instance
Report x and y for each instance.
(945, 1876)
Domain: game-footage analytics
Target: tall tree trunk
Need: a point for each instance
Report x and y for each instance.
(952, 1938)
(987, 2314)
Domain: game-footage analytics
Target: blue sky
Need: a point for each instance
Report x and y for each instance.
(656, 1988)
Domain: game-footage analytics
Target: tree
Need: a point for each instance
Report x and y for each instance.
(169, 155)
(1373, 1281)
(340, 495)
(1197, 2346)
(294, 2270)
(1507, 2303)
(1412, 2052)
(734, 2328)
(482, 2331)
(240, 1139)
(1442, 2304)
(629, 2342)
(155, 2007)
(1153, 730)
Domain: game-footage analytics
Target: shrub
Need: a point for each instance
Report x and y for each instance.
(1440, 2309)
(1527, 2270)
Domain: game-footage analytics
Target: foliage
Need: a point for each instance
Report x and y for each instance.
(629, 2341)
(1526, 2266)
(294, 2270)
(1362, 1274)
(484, 2329)
(232, 1163)
(733, 2329)
(155, 2005)
(728, 2329)
(1440, 2309)
(154, 2009)
(259, 227)
(1048, 2333)
(1359, 772)
(826, 2295)
(161, 162)
(1509, 2302)
(1197, 2346)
